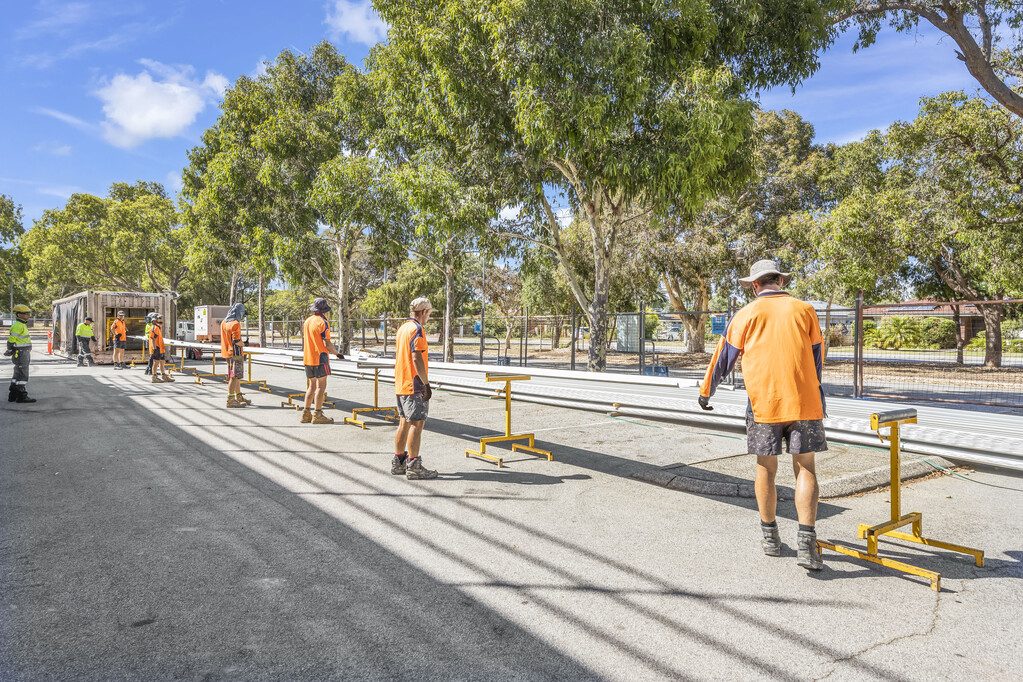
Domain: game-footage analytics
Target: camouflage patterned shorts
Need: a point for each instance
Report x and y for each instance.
(801, 436)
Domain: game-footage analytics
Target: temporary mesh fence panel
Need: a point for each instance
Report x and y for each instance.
(909, 351)
(957, 352)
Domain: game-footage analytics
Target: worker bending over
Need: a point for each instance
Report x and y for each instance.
(231, 351)
(19, 350)
(316, 344)
(158, 351)
(85, 336)
(119, 334)
(779, 339)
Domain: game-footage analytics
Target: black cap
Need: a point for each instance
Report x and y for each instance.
(88, 319)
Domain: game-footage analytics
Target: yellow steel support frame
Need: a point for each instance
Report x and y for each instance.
(354, 419)
(508, 435)
(301, 406)
(212, 373)
(898, 519)
(250, 380)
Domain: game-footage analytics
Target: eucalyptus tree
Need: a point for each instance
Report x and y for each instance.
(129, 240)
(445, 220)
(610, 104)
(986, 33)
(955, 190)
(12, 264)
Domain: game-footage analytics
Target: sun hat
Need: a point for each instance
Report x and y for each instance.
(763, 268)
(421, 303)
(320, 305)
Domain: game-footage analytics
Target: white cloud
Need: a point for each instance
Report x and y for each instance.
(261, 67)
(510, 212)
(53, 148)
(57, 19)
(172, 181)
(357, 20)
(139, 108)
(62, 191)
(64, 118)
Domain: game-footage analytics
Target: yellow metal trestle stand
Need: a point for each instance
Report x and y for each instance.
(894, 419)
(482, 452)
(212, 373)
(262, 382)
(354, 419)
(301, 406)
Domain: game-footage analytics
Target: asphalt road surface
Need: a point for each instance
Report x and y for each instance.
(148, 533)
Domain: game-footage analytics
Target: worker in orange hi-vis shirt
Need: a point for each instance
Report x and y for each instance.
(232, 351)
(157, 350)
(779, 339)
(315, 348)
(119, 339)
(412, 392)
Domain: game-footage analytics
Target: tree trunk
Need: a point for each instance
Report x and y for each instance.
(960, 340)
(261, 303)
(234, 287)
(344, 313)
(507, 334)
(597, 358)
(449, 313)
(992, 334)
(556, 332)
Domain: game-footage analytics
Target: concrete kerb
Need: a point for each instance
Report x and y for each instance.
(703, 483)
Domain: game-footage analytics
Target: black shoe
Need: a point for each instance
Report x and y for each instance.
(12, 397)
(25, 399)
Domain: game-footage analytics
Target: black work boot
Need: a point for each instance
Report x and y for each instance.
(23, 398)
(808, 553)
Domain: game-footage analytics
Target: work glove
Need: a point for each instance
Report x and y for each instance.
(705, 403)
(8, 353)
(340, 356)
(427, 393)
(117, 337)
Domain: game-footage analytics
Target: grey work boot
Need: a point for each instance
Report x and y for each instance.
(772, 540)
(808, 553)
(415, 471)
(398, 465)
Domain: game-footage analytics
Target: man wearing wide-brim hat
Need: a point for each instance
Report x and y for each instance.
(779, 340)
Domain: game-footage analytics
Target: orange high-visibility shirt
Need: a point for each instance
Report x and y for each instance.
(410, 339)
(315, 332)
(156, 339)
(118, 327)
(230, 334)
(779, 339)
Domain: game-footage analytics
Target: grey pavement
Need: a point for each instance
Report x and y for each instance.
(148, 533)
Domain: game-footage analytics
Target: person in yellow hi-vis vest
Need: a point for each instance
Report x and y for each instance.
(19, 349)
(85, 336)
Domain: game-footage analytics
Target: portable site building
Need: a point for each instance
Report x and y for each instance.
(102, 307)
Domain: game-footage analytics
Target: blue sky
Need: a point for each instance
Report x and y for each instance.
(100, 92)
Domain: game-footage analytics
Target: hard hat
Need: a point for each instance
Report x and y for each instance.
(149, 316)
(22, 308)
(120, 312)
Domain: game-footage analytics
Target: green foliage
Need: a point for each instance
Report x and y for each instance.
(129, 241)
(618, 106)
(899, 332)
(938, 332)
(653, 321)
(12, 263)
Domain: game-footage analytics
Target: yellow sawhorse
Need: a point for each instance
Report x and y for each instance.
(212, 373)
(895, 419)
(250, 380)
(354, 419)
(301, 406)
(508, 435)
